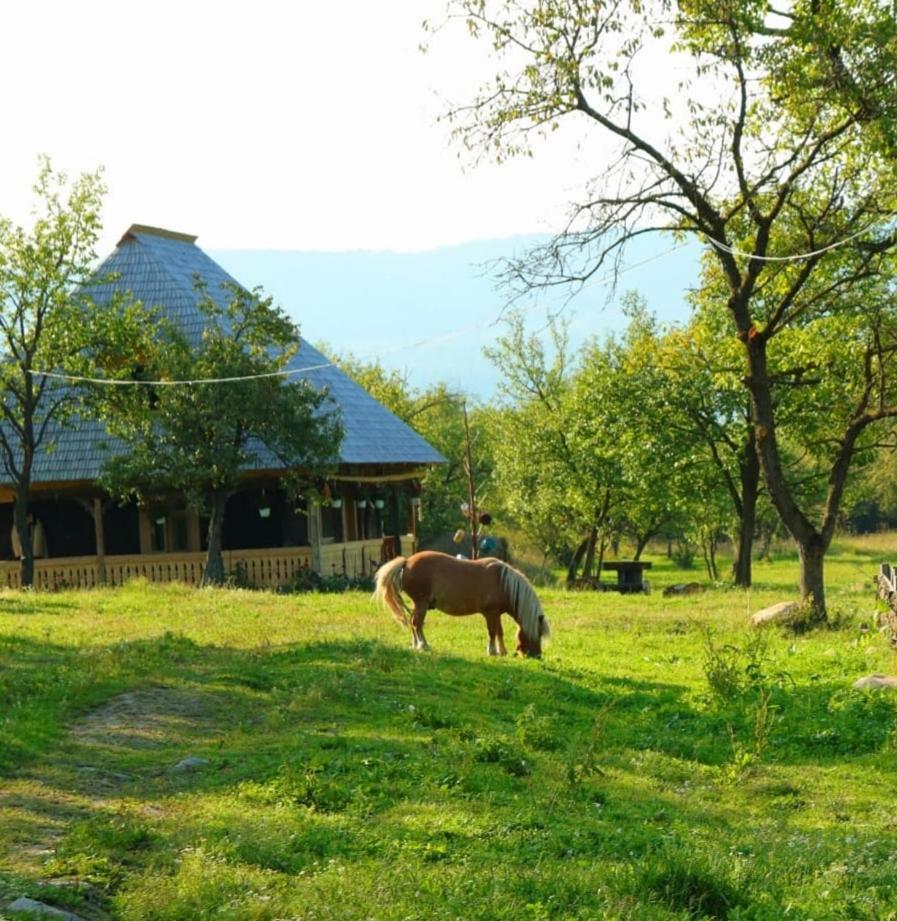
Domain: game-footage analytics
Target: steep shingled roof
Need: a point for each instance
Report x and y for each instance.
(159, 268)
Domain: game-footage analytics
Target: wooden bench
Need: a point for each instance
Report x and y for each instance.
(630, 575)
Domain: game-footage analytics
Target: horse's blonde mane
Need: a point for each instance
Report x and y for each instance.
(524, 603)
(388, 589)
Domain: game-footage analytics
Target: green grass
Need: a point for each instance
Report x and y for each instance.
(661, 762)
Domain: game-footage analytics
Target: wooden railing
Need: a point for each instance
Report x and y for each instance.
(268, 568)
(354, 558)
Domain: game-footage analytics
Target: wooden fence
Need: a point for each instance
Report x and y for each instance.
(886, 581)
(355, 558)
(268, 568)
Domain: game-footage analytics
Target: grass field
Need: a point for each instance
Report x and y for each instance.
(661, 762)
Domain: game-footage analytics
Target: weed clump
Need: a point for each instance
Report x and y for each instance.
(695, 890)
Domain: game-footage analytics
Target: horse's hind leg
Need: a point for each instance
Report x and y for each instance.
(418, 640)
(496, 635)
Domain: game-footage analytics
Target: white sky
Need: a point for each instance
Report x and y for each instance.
(265, 125)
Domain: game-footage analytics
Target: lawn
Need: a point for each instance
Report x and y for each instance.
(662, 761)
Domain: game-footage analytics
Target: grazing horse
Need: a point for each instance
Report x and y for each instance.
(456, 586)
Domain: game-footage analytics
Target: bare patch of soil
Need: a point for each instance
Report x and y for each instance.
(120, 749)
(145, 718)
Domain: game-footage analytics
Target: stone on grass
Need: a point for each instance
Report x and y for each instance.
(40, 910)
(775, 614)
(876, 681)
(683, 588)
(187, 765)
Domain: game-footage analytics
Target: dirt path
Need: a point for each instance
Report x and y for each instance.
(119, 756)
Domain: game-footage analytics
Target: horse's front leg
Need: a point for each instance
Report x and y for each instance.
(418, 640)
(496, 635)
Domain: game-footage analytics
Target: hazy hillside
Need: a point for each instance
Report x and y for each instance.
(430, 313)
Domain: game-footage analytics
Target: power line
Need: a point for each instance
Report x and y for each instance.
(291, 372)
(724, 247)
(112, 382)
(442, 337)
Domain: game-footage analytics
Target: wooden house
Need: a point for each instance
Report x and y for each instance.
(372, 498)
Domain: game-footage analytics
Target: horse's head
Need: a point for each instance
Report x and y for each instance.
(531, 646)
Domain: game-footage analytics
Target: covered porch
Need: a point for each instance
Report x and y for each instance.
(83, 539)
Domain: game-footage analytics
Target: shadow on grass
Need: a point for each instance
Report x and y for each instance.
(28, 602)
(361, 751)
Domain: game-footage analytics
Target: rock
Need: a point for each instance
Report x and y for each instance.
(187, 765)
(40, 910)
(775, 614)
(876, 681)
(683, 588)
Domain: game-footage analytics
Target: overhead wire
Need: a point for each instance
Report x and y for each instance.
(291, 372)
(796, 257)
(442, 337)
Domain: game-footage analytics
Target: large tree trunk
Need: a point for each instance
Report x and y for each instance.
(641, 541)
(23, 531)
(213, 572)
(750, 488)
(573, 568)
(812, 541)
(590, 553)
(812, 584)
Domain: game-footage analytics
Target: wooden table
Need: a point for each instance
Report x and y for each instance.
(630, 578)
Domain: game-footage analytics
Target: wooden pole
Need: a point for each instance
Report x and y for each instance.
(471, 490)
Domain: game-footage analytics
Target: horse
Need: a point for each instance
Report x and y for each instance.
(457, 587)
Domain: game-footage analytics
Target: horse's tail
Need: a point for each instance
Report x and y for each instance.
(388, 589)
(524, 603)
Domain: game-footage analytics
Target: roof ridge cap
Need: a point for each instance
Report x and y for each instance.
(156, 232)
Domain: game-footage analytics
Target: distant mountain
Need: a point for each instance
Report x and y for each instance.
(429, 314)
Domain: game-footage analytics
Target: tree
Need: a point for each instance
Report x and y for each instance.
(540, 470)
(840, 55)
(700, 395)
(752, 169)
(197, 438)
(46, 324)
(578, 460)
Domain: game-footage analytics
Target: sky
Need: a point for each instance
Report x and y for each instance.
(266, 125)
(304, 127)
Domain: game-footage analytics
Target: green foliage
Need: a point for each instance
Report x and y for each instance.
(782, 165)
(198, 439)
(307, 580)
(622, 439)
(552, 482)
(48, 323)
(735, 670)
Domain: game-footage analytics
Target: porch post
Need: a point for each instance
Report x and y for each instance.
(315, 532)
(100, 535)
(143, 523)
(194, 538)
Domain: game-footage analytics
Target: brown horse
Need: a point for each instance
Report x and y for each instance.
(457, 587)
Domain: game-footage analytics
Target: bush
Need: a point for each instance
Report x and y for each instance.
(309, 581)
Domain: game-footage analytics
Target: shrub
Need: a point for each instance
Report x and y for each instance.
(307, 580)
